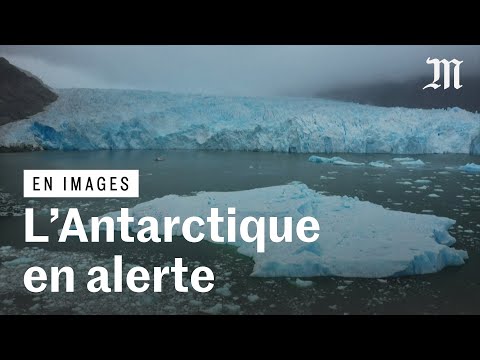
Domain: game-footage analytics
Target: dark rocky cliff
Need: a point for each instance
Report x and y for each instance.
(21, 94)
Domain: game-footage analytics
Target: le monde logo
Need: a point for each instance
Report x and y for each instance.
(446, 73)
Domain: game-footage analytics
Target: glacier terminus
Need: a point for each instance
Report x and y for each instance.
(93, 119)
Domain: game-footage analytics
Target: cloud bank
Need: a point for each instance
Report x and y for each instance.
(232, 70)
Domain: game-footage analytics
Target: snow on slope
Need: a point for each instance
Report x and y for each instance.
(357, 238)
(86, 119)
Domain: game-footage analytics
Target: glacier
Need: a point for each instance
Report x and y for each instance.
(357, 238)
(94, 119)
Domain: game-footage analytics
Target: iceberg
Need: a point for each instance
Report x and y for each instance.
(357, 238)
(379, 164)
(347, 163)
(324, 160)
(333, 160)
(413, 163)
(95, 119)
(403, 159)
(422, 181)
(470, 167)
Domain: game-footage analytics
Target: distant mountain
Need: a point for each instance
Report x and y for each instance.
(410, 94)
(21, 94)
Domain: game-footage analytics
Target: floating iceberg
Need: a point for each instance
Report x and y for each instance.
(347, 163)
(403, 159)
(413, 163)
(88, 119)
(471, 167)
(324, 160)
(422, 181)
(379, 164)
(357, 238)
(333, 160)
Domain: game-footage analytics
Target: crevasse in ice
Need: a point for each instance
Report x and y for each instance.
(357, 238)
(87, 119)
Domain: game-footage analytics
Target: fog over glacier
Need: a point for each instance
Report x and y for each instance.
(232, 70)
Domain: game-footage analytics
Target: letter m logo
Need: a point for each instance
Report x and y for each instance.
(446, 73)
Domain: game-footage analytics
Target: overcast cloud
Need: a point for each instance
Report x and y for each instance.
(232, 70)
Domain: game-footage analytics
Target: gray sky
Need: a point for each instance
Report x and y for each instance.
(232, 70)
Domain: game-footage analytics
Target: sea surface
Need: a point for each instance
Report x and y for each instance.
(454, 290)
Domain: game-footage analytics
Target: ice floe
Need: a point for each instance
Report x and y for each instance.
(413, 163)
(471, 167)
(422, 181)
(379, 164)
(357, 238)
(333, 160)
(400, 159)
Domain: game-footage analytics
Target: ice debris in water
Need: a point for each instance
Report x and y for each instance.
(357, 238)
(403, 159)
(413, 163)
(379, 164)
(333, 160)
(422, 181)
(471, 167)
(89, 119)
(303, 283)
(18, 261)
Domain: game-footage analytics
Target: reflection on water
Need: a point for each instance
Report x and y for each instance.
(438, 188)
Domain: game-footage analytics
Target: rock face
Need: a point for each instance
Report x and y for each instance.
(21, 94)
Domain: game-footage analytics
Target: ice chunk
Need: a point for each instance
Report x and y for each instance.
(379, 164)
(224, 291)
(303, 283)
(215, 309)
(324, 160)
(471, 167)
(423, 181)
(403, 159)
(333, 160)
(89, 119)
(413, 163)
(19, 261)
(357, 238)
(347, 163)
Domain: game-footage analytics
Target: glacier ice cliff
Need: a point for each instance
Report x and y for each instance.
(88, 119)
(357, 238)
